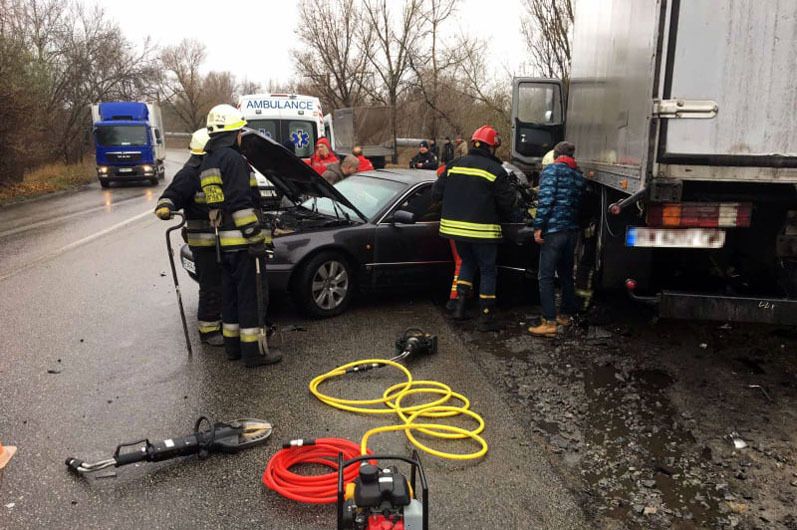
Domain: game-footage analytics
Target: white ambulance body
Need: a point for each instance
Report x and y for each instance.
(285, 116)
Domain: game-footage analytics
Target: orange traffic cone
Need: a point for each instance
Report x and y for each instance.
(6, 452)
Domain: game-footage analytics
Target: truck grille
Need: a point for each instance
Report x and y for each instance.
(124, 157)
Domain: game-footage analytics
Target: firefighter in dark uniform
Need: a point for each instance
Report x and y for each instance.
(476, 195)
(184, 193)
(233, 201)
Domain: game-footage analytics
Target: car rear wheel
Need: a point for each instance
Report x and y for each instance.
(324, 285)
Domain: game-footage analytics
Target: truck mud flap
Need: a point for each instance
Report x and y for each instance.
(781, 311)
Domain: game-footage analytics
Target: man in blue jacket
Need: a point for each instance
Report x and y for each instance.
(556, 229)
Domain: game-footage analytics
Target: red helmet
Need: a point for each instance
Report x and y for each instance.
(486, 134)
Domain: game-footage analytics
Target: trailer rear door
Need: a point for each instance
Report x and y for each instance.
(743, 56)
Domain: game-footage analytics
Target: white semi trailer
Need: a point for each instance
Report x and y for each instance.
(684, 117)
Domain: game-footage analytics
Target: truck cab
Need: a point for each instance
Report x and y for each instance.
(128, 142)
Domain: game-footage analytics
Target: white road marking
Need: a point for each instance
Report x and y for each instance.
(76, 244)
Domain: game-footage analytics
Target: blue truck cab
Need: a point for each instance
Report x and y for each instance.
(128, 139)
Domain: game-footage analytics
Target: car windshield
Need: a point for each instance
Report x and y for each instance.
(367, 194)
(122, 135)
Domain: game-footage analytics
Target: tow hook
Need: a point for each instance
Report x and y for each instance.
(631, 285)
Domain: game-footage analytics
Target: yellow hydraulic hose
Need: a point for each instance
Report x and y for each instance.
(390, 403)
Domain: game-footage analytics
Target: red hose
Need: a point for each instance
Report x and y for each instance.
(311, 489)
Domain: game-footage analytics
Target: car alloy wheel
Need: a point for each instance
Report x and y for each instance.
(330, 285)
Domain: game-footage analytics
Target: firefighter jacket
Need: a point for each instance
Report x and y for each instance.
(427, 161)
(230, 188)
(476, 195)
(559, 198)
(184, 193)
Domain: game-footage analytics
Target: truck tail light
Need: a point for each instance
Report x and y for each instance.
(700, 214)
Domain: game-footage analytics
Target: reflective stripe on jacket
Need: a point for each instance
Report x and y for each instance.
(228, 185)
(476, 196)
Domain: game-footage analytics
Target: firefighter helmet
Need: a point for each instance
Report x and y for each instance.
(198, 141)
(225, 118)
(487, 135)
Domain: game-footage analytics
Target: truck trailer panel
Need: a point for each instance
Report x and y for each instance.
(611, 88)
(743, 56)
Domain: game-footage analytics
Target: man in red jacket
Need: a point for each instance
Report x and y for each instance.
(365, 164)
(323, 156)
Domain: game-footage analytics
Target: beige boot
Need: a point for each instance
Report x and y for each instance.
(564, 320)
(547, 328)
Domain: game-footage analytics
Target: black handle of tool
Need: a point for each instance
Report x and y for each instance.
(169, 249)
(169, 448)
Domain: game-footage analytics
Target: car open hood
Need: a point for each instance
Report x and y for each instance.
(292, 177)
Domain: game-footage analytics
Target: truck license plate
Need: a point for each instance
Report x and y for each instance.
(125, 170)
(638, 236)
(189, 265)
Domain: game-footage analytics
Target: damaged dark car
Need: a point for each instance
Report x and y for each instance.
(373, 231)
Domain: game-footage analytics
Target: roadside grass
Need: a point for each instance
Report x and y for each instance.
(48, 179)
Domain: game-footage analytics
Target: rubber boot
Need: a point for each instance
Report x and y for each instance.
(260, 355)
(232, 347)
(564, 320)
(213, 338)
(463, 294)
(487, 321)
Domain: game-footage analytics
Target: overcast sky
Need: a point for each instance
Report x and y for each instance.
(253, 39)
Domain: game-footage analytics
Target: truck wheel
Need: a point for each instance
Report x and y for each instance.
(324, 285)
(105, 183)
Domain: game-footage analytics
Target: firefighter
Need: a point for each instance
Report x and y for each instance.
(234, 210)
(476, 195)
(184, 193)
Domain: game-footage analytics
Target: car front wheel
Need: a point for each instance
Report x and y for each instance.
(325, 285)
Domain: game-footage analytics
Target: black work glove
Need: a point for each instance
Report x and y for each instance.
(258, 250)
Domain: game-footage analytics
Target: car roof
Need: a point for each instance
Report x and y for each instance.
(404, 175)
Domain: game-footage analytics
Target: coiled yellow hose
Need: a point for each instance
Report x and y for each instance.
(390, 403)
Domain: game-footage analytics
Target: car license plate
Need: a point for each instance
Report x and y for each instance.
(189, 265)
(637, 236)
(125, 170)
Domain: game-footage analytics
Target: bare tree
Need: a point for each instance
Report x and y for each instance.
(248, 87)
(432, 61)
(182, 87)
(218, 87)
(394, 40)
(333, 35)
(546, 26)
(475, 80)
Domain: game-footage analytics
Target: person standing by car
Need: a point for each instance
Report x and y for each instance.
(340, 170)
(184, 193)
(460, 147)
(323, 156)
(434, 148)
(476, 195)
(448, 151)
(556, 230)
(365, 164)
(233, 200)
(424, 159)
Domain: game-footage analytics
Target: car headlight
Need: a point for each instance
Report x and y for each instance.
(147, 169)
(102, 169)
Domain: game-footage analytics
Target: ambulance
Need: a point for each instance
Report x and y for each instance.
(285, 116)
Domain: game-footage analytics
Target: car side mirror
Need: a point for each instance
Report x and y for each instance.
(403, 217)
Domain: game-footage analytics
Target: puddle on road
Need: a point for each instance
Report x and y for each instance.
(613, 425)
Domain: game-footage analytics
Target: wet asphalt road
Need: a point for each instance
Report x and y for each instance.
(86, 292)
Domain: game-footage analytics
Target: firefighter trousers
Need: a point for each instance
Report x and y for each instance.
(239, 309)
(208, 272)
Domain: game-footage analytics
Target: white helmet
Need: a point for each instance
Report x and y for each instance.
(198, 141)
(224, 118)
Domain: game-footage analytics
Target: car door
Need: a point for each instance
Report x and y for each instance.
(411, 254)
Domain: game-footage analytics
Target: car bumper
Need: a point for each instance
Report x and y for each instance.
(278, 275)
